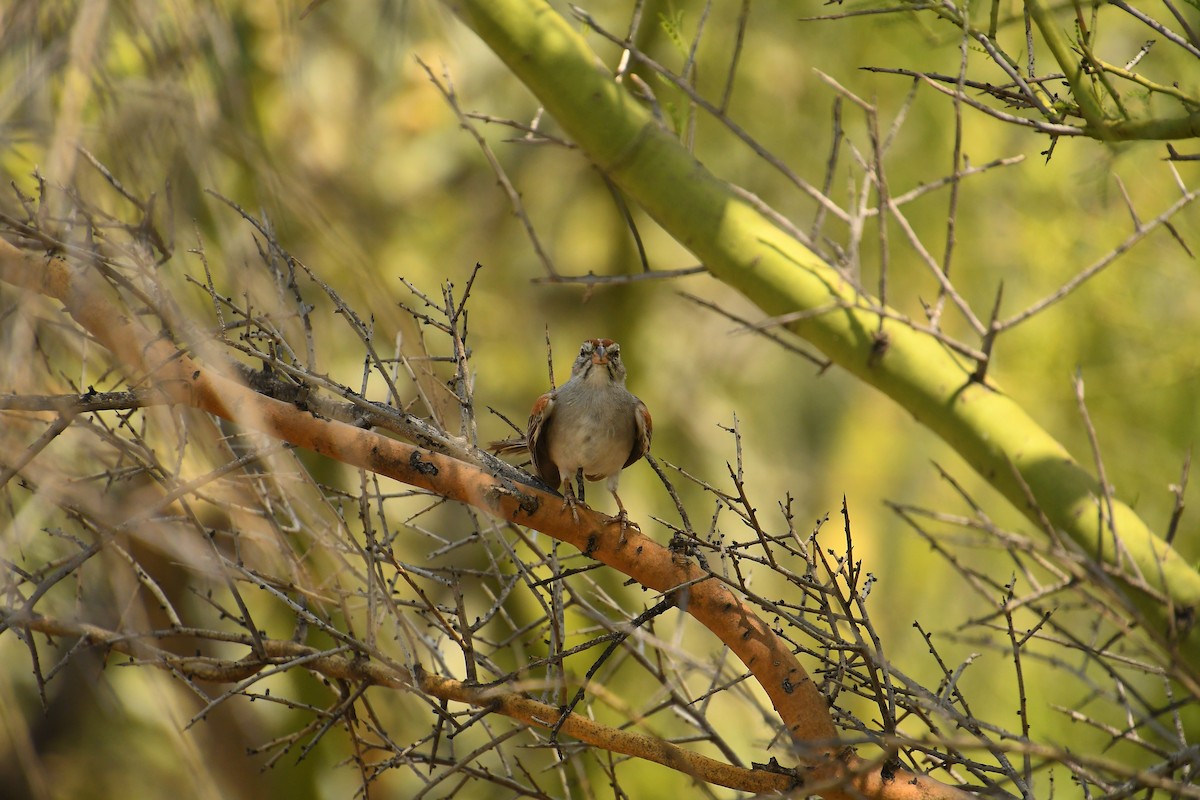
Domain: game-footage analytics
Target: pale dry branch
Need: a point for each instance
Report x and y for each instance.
(341, 664)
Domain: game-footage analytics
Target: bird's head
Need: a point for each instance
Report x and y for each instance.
(599, 359)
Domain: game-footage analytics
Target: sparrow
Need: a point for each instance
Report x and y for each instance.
(590, 427)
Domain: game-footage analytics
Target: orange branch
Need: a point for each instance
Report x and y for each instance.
(800, 705)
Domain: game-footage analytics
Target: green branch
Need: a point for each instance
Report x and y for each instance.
(741, 247)
(1072, 67)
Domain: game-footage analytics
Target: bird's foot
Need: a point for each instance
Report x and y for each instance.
(625, 522)
(570, 501)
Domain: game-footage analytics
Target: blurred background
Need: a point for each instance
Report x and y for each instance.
(328, 126)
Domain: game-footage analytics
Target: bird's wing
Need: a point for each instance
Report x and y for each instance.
(643, 428)
(538, 436)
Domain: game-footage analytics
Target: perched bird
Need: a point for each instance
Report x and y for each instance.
(591, 426)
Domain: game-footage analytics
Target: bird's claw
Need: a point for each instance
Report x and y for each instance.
(625, 522)
(570, 502)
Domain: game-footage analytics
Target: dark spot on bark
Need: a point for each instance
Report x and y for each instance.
(530, 504)
(779, 769)
(788, 686)
(423, 467)
(1185, 618)
(879, 346)
(592, 543)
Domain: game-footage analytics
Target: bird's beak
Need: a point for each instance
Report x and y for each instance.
(600, 356)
